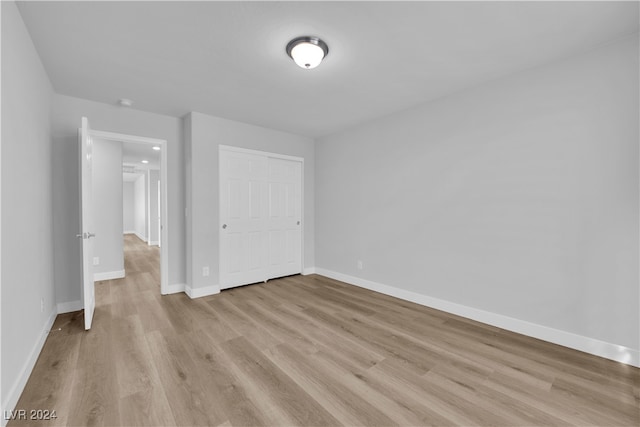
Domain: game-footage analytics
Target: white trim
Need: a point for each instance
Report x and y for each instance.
(174, 288)
(141, 237)
(201, 292)
(129, 232)
(260, 153)
(589, 345)
(309, 270)
(11, 398)
(164, 219)
(153, 243)
(108, 275)
(303, 218)
(114, 136)
(69, 306)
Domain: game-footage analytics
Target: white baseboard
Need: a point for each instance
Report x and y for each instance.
(308, 270)
(201, 292)
(129, 232)
(11, 398)
(108, 275)
(153, 243)
(589, 345)
(174, 288)
(140, 236)
(69, 306)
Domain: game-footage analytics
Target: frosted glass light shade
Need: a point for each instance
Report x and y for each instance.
(307, 52)
(307, 55)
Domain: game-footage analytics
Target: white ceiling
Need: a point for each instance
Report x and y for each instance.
(228, 58)
(132, 156)
(135, 153)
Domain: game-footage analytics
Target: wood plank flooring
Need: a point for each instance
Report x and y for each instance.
(308, 351)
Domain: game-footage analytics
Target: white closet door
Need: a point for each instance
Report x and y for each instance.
(260, 217)
(285, 214)
(243, 212)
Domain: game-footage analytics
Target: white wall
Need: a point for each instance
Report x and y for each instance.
(27, 225)
(128, 224)
(153, 178)
(203, 135)
(140, 207)
(66, 114)
(107, 209)
(518, 197)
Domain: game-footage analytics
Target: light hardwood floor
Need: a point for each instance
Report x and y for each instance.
(308, 351)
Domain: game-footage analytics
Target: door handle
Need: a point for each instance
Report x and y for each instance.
(224, 226)
(85, 235)
(90, 235)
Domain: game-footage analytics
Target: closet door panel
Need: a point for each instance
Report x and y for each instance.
(243, 204)
(285, 217)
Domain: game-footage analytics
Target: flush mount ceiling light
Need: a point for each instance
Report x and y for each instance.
(157, 148)
(145, 161)
(307, 52)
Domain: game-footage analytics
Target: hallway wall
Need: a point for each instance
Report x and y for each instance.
(107, 209)
(128, 224)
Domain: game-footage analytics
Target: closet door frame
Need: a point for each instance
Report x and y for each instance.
(266, 154)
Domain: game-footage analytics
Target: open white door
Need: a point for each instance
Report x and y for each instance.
(86, 221)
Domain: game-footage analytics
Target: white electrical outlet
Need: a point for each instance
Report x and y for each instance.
(96, 260)
(205, 271)
(360, 265)
(41, 305)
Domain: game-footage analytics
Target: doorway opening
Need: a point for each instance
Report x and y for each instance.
(143, 174)
(109, 164)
